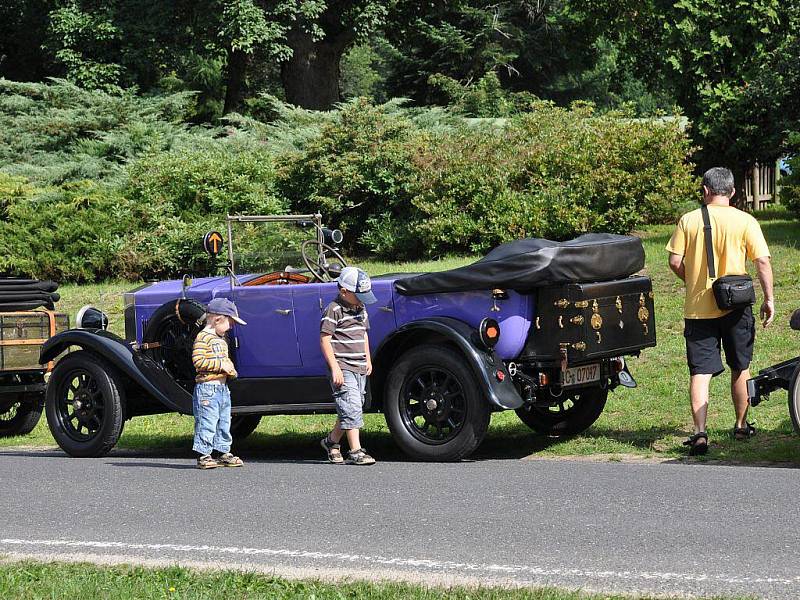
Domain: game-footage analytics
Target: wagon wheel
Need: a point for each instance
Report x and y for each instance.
(316, 257)
(19, 414)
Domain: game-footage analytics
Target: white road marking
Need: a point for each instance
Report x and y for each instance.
(433, 565)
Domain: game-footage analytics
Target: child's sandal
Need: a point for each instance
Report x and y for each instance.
(334, 451)
(206, 462)
(229, 460)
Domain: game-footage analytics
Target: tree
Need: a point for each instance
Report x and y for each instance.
(731, 65)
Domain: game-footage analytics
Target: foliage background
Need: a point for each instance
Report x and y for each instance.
(97, 184)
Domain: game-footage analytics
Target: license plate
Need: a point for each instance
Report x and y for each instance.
(581, 375)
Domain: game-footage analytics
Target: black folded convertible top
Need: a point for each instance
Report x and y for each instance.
(530, 263)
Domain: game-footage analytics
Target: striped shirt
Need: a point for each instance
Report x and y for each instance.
(208, 352)
(347, 326)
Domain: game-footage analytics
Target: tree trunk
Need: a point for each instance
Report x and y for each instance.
(234, 90)
(311, 76)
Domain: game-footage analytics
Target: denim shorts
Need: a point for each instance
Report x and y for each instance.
(734, 333)
(349, 400)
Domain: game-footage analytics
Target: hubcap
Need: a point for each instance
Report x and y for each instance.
(434, 407)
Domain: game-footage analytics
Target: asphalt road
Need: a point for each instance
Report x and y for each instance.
(656, 528)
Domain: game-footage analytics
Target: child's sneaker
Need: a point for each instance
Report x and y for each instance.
(229, 460)
(206, 462)
(334, 451)
(359, 457)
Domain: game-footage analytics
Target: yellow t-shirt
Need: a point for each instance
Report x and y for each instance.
(736, 236)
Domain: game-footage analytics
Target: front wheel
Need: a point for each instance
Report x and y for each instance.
(794, 399)
(19, 414)
(568, 414)
(433, 405)
(84, 405)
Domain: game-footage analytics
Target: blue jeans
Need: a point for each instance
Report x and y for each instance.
(211, 405)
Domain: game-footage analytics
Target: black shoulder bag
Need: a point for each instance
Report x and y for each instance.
(730, 291)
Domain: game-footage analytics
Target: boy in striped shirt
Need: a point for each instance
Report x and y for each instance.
(345, 346)
(211, 401)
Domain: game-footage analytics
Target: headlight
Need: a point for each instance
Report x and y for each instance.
(332, 237)
(89, 317)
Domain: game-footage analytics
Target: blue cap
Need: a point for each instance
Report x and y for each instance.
(223, 306)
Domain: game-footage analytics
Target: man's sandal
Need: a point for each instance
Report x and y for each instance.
(334, 451)
(206, 462)
(698, 443)
(229, 460)
(743, 433)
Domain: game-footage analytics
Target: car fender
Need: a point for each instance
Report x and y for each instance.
(489, 369)
(143, 371)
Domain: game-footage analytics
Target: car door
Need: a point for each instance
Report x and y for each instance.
(267, 346)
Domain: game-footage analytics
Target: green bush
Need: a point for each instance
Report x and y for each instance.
(73, 232)
(360, 173)
(401, 190)
(97, 185)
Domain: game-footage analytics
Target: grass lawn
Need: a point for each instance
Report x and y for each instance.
(38, 581)
(650, 421)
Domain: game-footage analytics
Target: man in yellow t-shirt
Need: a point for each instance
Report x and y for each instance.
(736, 237)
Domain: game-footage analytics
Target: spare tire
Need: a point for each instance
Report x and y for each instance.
(169, 335)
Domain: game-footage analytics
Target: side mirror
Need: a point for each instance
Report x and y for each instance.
(794, 322)
(89, 317)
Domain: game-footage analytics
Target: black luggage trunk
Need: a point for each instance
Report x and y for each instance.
(592, 320)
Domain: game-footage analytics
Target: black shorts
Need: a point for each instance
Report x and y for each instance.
(736, 332)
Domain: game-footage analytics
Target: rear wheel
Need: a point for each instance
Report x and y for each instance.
(794, 399)
(19, 414)
(433, 405)
(243, 425)
(84, 405)
(570, 413)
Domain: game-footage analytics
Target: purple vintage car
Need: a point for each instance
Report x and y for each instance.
(535, 326)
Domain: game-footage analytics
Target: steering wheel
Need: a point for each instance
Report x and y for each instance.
(316, 257)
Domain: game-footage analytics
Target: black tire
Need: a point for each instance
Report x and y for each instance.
(452, 422)
(84, 393)
(20, 413)
(794, 399)
(172, 329)
(243, 425)
(568, 414)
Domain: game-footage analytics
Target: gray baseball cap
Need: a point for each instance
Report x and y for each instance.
(223, 306)
(357, 281)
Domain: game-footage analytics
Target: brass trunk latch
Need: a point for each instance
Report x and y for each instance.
(597, 319)
(577, 320)
(643, 314)
(579, 346)
(618, 304)
(562, 303)
(582, 304)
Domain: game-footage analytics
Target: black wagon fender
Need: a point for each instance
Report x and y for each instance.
(141, 370)
(489, 370)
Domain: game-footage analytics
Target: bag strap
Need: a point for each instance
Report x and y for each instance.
(712, 272)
